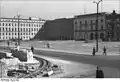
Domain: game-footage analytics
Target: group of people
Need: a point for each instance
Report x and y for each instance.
(99, 73)
(104, 51)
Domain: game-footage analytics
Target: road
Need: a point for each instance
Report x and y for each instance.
(103, 61)
(109, 61)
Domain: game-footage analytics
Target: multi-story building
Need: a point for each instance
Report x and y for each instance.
(85, 26)
(10, 28)
(113, 26)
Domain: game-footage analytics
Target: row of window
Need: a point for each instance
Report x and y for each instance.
(12, 20)
(20, 29)
(86, 22)
(17, 33)
(4, 38)
(21, 25)
(89, 28)
(91, 35)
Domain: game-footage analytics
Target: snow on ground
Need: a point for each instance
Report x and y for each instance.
(73, 68)
(77, 70)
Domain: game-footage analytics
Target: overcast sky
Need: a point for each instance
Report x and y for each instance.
(51, 9)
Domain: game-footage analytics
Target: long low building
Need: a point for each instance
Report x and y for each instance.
(10, 28)
(58, 29)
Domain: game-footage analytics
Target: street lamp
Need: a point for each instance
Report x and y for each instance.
(18, 16)
(97, 24)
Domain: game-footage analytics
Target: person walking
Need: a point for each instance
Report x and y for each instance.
(99, 73)
(8, 43)
(16, 44)
(32, 49)
(48, 45)
(93, 51)
(104, 51)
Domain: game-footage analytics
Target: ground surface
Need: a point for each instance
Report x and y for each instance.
(113, 48)
(81, 54)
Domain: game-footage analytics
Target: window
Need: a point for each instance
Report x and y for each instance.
(29, 25)
(34, 29)
(85, 22)
(6, 29)
(101, 20)
(31, 29)
(102, 36)
(6, 24)
(26, 29)
(9, 29)
(3, 24)
(101, 27)
(26, 24)
(34, 25)
(20, 24)
(12, 29)
(9, 33)
(75, 22)
(37, 25)
(9, 24)
(0, 29)
(3, 29)
(23, 29)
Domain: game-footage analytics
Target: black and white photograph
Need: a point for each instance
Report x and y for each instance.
(65, 39)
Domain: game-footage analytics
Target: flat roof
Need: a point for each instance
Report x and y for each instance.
(91, 14)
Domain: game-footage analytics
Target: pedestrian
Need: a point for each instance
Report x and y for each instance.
(16, 44)
(104, 51)
(93, 51)
(48, 45)
(32, 49)
(99, 73)
(8, 43)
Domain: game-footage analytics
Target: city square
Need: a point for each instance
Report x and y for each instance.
(52, 39)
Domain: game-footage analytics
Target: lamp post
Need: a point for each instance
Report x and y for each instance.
(18, 16)
(97, 24)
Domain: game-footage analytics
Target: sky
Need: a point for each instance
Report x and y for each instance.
(53, 9)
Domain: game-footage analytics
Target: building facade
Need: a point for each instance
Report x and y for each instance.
(10, 28)
(113, 26)
(85, 26)
(58, 29)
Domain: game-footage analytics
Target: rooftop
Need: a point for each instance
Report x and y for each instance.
(91, 14)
